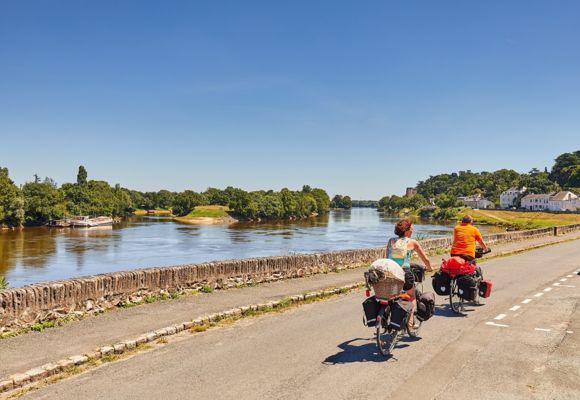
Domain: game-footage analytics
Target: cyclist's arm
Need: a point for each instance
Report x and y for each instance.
(483, 245)
(422, 255)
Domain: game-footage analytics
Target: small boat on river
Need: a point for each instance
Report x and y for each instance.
(85, 221)
(59, 223)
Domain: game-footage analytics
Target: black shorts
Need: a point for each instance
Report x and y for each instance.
(409, 279)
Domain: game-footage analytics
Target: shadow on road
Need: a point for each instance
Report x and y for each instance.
(444, 310)
(365, 352)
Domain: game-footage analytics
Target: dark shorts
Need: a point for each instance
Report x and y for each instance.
(409, 279)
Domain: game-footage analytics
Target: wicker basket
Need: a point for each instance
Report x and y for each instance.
(388, 288)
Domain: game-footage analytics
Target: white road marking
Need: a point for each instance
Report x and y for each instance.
(569, 332)
(563, 280)
(568, 276)
(538, 294)
(547, 289)
(566, 286)
(501, 316)
(498, 325)
(543, 330)
(556, 284)
(526, 301)
(514, 308)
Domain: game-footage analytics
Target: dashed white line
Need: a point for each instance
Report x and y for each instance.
(498, 325)
(547, 289)
(538, 294)
(563, 280)
(569, 332)
(566, 286)
(514, 308)
(543, 330)
(526, 301)
(556, 284)
(501, 316)
(568, 276)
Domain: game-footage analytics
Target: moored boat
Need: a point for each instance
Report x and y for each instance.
(85, 221)
(59, 223)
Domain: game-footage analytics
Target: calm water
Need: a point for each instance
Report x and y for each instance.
(42, 254)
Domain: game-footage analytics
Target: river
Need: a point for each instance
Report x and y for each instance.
(42, 254)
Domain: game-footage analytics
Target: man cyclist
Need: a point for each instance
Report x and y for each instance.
(465, 235)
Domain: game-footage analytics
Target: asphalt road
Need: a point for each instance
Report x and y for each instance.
(524, 343)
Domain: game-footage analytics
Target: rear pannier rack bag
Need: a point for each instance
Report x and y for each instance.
(399, 311)
(441, 283)
(386, 277)
(371, 308)
(426, 306)
(485, 288)
(467, 287)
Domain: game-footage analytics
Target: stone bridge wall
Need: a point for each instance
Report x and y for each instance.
(44, 301)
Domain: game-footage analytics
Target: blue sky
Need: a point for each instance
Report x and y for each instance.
(359, 98)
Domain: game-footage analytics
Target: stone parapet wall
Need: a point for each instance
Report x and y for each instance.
(45, 301)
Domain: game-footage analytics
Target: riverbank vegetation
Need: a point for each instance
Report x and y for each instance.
(437, 196)
(340, 201)
(40, 201)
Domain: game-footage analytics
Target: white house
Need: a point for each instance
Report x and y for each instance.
(563, 201)
(507, 199)
(536, 201)
(476, 201)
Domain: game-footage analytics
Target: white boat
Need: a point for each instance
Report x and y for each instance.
(88, 222)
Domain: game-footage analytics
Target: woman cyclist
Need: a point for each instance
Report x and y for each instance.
(400, 249)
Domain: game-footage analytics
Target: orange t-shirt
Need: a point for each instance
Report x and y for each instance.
(464, 238)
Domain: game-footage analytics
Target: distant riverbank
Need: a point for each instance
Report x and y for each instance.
(207, 215)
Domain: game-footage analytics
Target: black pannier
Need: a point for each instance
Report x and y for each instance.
(418, 272)
(371, 308)
(399, 311)
(441, 283)
(426, 306)
(467, 287)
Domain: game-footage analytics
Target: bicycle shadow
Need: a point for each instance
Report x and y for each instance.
(444, 310)
(366, 352)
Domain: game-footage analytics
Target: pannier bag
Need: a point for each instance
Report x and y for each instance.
(399, 312)
(441, 283)
(467, 287)
(426, 306)
(485, 288)
(371, 308)
(418, 272)
(386, 278)
(455, 266)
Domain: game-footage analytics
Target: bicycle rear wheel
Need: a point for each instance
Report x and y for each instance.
(455, 301)
(386, 338)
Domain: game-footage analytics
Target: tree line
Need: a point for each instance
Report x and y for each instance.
(438, 195)
(41, 200)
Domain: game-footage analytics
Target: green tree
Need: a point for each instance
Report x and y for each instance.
(565, 167)
(42, 202)
(186, 201)
(11, 202)
(82, 176)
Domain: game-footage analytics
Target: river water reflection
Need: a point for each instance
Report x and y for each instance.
(42, 254)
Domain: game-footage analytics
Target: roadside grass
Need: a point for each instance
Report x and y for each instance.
(522, 219)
